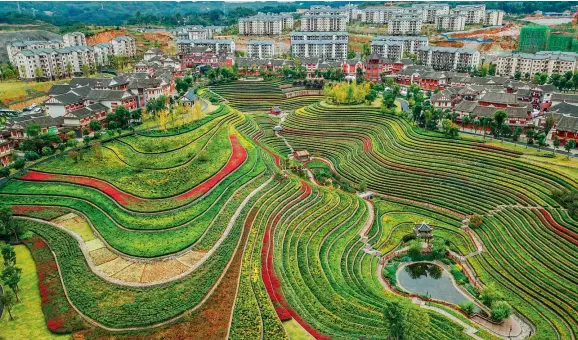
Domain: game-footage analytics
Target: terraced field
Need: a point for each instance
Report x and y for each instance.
(250, 96)
(198, 231)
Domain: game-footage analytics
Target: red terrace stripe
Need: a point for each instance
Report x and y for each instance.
(271, 281)
(237, 158)
(549, 222)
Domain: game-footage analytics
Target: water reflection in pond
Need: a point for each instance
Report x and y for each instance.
(431, 280)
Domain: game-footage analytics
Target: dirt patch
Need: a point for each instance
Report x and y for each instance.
(102, 255)
(191, 257)
(131, 273)
(113, 267)
(447, 43)
(158, 271)
(105, 36)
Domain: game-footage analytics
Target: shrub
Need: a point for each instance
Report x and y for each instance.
(501, 310)
(467, 307)
(46, 151)
(4, 171)
(19, 164)
(31, 155)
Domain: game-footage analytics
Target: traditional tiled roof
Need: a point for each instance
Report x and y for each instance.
(87, 111)
(466, 106)
(98, 95)
(568, 123)
(191, 96)
(499, 98)
(488, 111)
(565, 108)
(57, 89)
(563, 97)
(68, 98)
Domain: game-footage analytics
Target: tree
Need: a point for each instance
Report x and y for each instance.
(94, 125)
(570, 144)
(31, 156)
(33, 130)
(19, 163)
(69, 68)
(85, 70)
(451, 129)
(38, 73)
(500, 117)
(414, 249)
(516, 134)
(476, 220)
(501, 310)
(405, 321)
(541, 140)
(530, 134)
(549, 124)
(8, 254)
(8, 300)
(11, 277)
(518, 75)
(438, 249)
(556, 143)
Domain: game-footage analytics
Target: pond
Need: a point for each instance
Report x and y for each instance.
(429, 279)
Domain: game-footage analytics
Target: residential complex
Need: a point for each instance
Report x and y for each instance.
(326, 45)
(381, 15)
(102, 51)
(508, 64)
(449, 58)
(265, 24)
(54, 63)
(405, 24)
(260, 49)
(450, 22)
(16, 47)
(474, 14)
(74, 39)
(324, 22)
(197, 32)
(494, 17)
(184, 46)
(348, 11)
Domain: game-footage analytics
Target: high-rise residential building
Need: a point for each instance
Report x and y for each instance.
(494, 17)
(550, 62)
(74, 39)
(323, 22)
(54, 63)
(474, 14)
(123, 46)
(432, 10)
(102, 51)
(451, 22)
(449, 58)
(405, 24)
(265, 24)
(260, 49)
(328, 10)
(384, 45)
(324, 45)
(381, 15)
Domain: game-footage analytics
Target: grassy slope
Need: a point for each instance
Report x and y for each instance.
(28, 321)
(295, 331)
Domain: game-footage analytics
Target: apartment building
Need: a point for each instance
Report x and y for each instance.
(260, 49)
(53, 63)
(405, 24)
(265, 24)
(74, 39)
(379, 15)
(325, 45)
(474, 14)
(101, 53)
(494, 17)
(431, 11)
(409, 44)
(323, 22)
(16, 47)
(387, 49)
(550, 62)
(331, 11)
(352, 11)
(124, 46)
(185, 46)
(449, 58)
(451, 22)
